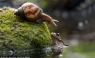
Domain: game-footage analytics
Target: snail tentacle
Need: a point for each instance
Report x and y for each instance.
(49, 19)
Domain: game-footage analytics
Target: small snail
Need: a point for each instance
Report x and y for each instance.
(32, 12)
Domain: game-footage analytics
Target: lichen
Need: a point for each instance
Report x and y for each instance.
(18, 33)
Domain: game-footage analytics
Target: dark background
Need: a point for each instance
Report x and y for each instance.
(76, 23)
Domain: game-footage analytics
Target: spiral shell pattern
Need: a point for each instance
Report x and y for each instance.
(31, 10)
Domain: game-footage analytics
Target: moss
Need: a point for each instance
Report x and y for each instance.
(18, 33)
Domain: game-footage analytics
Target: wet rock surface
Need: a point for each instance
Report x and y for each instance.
(19, 34)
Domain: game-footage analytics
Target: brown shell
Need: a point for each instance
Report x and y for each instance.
(31, 10)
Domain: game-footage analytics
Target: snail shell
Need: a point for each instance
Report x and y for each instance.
(29, 10)
(32, 12)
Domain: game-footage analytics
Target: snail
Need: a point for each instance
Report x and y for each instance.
(32, 12)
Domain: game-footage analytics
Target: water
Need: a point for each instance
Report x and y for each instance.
(34, 53)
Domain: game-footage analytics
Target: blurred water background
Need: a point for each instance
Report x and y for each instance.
(76, 23)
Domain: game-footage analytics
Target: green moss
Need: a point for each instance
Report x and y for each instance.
(17, 33)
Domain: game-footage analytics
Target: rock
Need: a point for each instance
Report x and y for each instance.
(17, 33)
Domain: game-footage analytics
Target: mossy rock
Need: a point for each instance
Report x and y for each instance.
(18, 33)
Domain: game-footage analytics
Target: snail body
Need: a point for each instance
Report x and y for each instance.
(32, 12)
